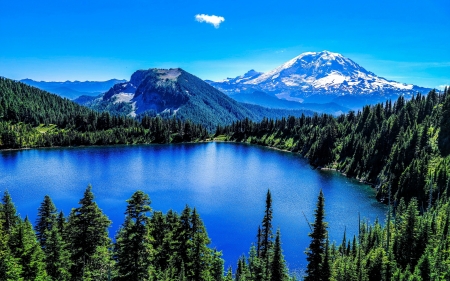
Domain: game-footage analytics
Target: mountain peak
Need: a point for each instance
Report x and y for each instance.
(322, 73)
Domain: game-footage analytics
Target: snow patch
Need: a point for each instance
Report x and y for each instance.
(123, 97)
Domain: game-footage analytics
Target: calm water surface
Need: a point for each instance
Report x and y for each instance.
(226, 182)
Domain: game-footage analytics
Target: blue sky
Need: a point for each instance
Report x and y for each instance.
(406, 41)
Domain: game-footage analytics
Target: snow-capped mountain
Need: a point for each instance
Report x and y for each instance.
(318, 77)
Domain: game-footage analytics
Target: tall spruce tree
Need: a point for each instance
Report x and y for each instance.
(266, 247)
(278, 268)
(10, 268)
(26, 249)
(9, 213)
(266, 230)
(46, 219)
(200, 255)
(133, 250)
(57, 257)
(61, 224)
(88, 240)
(316, 251)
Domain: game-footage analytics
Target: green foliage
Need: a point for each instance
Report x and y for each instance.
(57, 257)
(88, 240)
(265, 261)
(30, 117)
(8, 213)
(418, 248)
(278, 269)
(26, 249)
(400, 145)
(133, 248)
(316, 252)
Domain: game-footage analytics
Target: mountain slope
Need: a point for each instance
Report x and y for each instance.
(30, 117)
(318, 77)
(175, 92)
(72, 90)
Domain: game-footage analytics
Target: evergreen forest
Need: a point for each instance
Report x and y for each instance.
(400, 147)
(30, 117)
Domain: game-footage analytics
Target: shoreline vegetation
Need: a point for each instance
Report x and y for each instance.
(401, 147)
(151, 245)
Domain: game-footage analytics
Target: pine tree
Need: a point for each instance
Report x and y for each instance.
(10, 267)
(200, 254)
(133, 249)
(316, 250)
(26, 249)
(266, 231)
(255, 265)
(61, 224)
(57, 257)
(46, 219)
(9, 213)
(326, 263)
(258, 243)
(278, 267)
(217, 266)
(88, 240)
(229, 276)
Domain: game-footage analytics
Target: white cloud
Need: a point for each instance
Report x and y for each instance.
(442, 87)
(214, 20)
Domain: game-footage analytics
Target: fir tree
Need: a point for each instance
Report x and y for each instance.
(88, 240)
(57, 257)
(10, 267)
(26, 249)
(200, 254)
(316, 250)
(229, 276)
(266, 231)
(133, 249)
(46, 219)
(9, 213)
(278, 267)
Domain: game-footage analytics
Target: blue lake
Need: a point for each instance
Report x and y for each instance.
(225, 182)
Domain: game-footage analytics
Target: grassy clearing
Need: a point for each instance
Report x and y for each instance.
(44, 129)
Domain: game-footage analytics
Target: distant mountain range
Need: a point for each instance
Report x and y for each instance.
(317, 77)
(322, 82)
(177, 93)
(74, 89)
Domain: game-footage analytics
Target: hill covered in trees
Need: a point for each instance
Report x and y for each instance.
(30, 117)
(177, 93)
(403, 145)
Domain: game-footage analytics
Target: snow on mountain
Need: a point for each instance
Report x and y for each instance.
(320, 75)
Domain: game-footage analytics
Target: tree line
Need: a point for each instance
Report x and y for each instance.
(401, 145)
(408, 247)
(149, 245)
(30, 117)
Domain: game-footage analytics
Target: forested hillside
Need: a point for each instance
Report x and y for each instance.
(401, 145)
(30, 117)
(409, 247)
